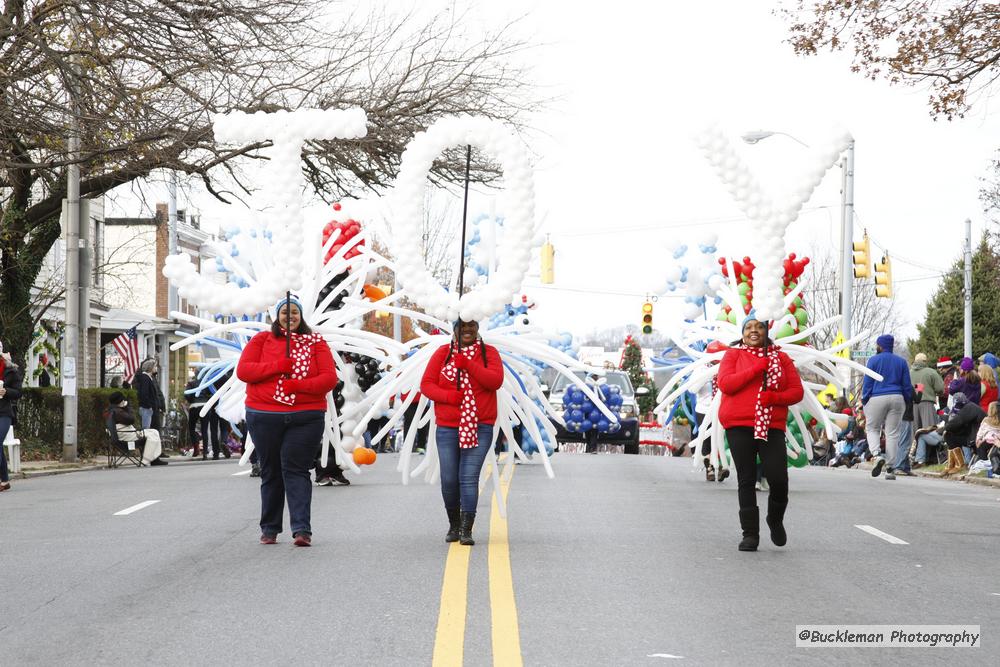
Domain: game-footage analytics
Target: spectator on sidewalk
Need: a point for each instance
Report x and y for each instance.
(967, 381)
(960, 431)
(929, 387)
(10, 391)
(902, 464)
(145, 386)
(289, 370)
(988, 385)
(147, 438)
(946, 368)
(885, 401)
(194, 402)
(988, 435)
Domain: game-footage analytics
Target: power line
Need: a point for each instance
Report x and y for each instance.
(677, 224)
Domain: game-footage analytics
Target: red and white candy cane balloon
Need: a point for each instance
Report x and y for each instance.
(282, 204)
(771, 214)
(514, 254)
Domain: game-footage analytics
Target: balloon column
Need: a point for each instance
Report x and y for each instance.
(795, 317)
(581, 413)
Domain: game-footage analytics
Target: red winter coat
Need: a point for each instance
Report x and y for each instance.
(263, 362)
(486, 380)
(740, 377)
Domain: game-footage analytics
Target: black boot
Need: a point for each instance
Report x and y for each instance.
(775, 516)
(750, 523)
(465, 529)
(453, 522)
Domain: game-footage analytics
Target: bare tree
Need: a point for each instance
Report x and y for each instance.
(953, 47)
(821, 299)
(147, 75)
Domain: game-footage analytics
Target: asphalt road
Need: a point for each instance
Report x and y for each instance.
(620, 560)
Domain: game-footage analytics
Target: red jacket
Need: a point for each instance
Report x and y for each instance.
(486, 380)
(263, 362)
(740, 377)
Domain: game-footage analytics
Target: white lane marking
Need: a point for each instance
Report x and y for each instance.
(878, 533)
(136, 508)
(665, 655)
(242, 472)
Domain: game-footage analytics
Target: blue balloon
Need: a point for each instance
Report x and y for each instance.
(586, 425)
(603, 425)
(594, 415)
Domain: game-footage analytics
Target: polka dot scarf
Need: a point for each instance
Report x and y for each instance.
(764, 413)
(301, 350)
(468, 420)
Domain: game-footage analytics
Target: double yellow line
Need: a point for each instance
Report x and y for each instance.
(449, 643)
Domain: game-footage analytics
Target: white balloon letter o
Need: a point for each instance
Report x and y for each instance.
(512, 264)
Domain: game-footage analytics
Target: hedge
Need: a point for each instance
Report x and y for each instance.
(40, 421)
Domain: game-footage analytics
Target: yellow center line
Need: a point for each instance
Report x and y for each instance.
(449, 643)
(506, 636)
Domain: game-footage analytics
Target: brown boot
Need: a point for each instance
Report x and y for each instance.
(953, 464)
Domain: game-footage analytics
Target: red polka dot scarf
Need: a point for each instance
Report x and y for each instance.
(764, 413)
(301, 350)
(468, 420)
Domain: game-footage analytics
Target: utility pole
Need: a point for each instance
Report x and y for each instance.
(172, 301)
(968, 288)
(847, 226)
(71, 335)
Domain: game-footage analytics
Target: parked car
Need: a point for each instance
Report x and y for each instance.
(627, 435)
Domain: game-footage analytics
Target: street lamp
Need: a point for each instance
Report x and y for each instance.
(846, 225)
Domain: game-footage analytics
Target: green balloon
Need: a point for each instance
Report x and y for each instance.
(743, 288)
(721, 316)
(792, 285)
(732, 317)
(784, 330)
(800, 461)
(801, 316)
(798, 302)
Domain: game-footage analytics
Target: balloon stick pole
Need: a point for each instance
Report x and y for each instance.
(288, 316)
(461, 259)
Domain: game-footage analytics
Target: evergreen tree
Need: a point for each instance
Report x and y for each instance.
(632, 365)
(942, 332)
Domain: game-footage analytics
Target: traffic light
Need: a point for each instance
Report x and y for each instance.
(548, 255)
(862, 251)
(647, 318)
(883, 277)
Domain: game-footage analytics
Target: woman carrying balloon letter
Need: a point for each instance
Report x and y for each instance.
(758, 382)
(462, 378)
(287, 382)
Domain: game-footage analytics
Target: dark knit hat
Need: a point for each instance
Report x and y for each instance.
(116, 398)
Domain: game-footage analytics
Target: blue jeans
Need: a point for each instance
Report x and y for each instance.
(146, 417)
(460, 468)
(902, 461)
(932, 439)
(287, 444)
(4, 427)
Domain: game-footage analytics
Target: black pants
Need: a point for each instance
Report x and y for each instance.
(706, 445)
(420, 442)
(331, 469)
(211, 428)
(374, 426)
(193, 420)
(745, 449)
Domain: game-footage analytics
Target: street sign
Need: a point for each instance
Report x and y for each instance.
(862, 354)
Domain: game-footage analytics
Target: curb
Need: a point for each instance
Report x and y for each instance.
(43, 472)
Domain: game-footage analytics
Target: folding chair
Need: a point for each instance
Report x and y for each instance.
(118, 451)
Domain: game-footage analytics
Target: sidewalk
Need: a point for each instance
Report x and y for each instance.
(980, 480)
(31, 469)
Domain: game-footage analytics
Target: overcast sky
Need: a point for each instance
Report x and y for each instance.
(618, 175)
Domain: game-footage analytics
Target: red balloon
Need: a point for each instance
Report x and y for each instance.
(746, 309)
(716, 346)
(791, 308)
(336, 206)
(746, 260)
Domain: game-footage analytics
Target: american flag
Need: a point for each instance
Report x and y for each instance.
(127, 346)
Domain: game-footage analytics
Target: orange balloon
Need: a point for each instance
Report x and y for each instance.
(374, 293)
(364, 456)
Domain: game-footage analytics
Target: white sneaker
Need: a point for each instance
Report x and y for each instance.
(890, 474)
